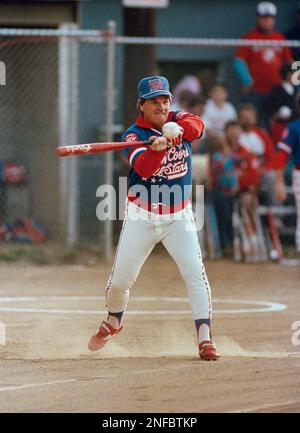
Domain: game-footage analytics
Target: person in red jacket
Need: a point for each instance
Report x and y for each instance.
(259, 67)
(257, 141)
(246, 163)
(234, 173)
(158, 210)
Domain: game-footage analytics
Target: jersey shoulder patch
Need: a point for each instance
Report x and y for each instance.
(130, 137)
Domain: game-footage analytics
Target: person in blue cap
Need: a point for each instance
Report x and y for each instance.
(158, 209)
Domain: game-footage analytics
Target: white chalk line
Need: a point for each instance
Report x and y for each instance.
(266, 406)
(87, 379)
(280, 355)
(264, 306)
(142, 372)
(35, 385)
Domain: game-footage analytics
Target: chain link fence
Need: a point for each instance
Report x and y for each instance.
(51, 97)
(61, 90)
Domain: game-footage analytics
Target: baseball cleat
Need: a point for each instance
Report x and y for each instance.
(105, 332)
(208, 351)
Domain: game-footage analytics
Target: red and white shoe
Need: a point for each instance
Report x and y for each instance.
(105, 332)
(208, 351)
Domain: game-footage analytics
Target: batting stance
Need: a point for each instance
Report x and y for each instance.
(154, 216)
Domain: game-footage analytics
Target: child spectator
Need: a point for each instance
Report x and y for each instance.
(218, 110)
(223, 186)
(234, 170)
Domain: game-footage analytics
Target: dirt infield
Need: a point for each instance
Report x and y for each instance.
(152, 366)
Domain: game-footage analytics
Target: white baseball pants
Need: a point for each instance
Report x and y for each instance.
(139, 235)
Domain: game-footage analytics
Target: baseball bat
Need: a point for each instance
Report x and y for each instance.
(260, 233)
(245, 241)
(214, 229)
(237, 247)
(275, 235)
(91, 148)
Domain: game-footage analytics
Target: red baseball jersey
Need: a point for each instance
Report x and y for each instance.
(264, 63)
(247, 166)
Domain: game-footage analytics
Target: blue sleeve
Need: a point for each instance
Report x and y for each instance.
(292, 138)
(243, 71)
(132, 152)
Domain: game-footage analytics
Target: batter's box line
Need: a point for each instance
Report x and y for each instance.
(262, 306)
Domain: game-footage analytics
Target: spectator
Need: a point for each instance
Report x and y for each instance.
(259, 67)
(196, 106)
(218, 111)
(224, 187)
(257, 141)
(195, 84)
(188, 85)
(280, 105)
(234, 170)
(183, 101)
(289, 147)
(247, 167)
(246, 163)
(294, 35)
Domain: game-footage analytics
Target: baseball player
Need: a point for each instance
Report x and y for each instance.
(290, 145)
(153, 215)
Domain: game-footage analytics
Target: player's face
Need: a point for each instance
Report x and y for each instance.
(266, 24)
(156, 110)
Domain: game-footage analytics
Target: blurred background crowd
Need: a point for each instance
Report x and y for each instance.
(82, 90)
(237, 156)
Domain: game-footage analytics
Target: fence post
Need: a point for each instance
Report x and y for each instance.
(109, 121)
(68, 134)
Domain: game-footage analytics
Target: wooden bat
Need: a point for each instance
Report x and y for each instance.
(271, 249)
(212, 217)
(237, 247)
(252, 235)
(275, 235)
(245, 241)
(260, 233)
(209, 236)
(91, 148)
